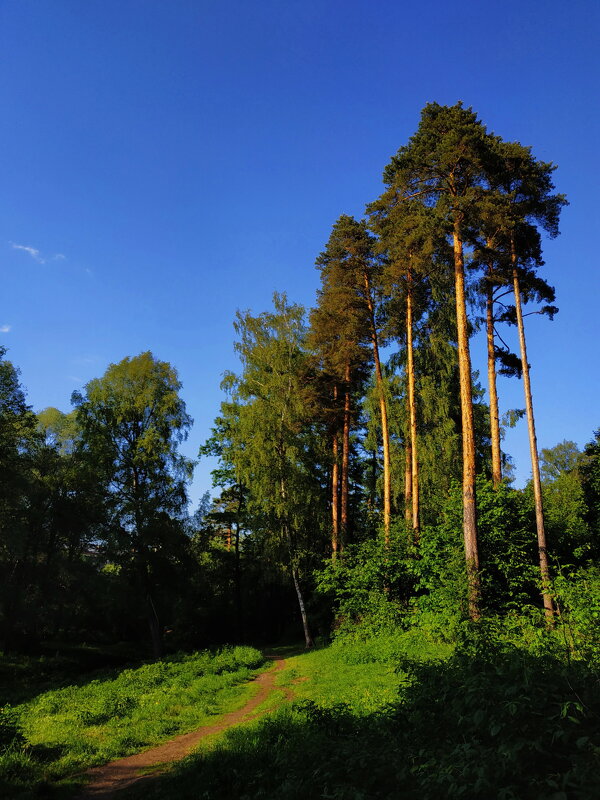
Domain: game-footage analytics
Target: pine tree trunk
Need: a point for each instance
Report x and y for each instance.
(410, 368)
(335, 479)
(408, 483)
(335, 531)
(493, 392)
(468, 429)
(345, 460)
(387, 482)
(535, 464)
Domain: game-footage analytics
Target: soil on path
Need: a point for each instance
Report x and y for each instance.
(108, 779)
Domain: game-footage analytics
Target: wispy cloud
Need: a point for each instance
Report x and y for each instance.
(36, 254)
(4, 328)
(33, 251)
(75, 379)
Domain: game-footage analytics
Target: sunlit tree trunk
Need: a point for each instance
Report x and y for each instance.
(493, 392)
(345, 460)
(408, 482)
(468, 430)
(335, 480)
(335, 532)
(387, 482)
(412, 409)
(535, 464)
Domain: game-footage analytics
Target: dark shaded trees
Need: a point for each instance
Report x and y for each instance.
(132, 421)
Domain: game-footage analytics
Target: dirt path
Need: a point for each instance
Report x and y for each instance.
(107, 780)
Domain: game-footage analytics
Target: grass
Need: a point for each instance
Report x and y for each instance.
(405, 718)
(23, 677)
(63, 731)
(497, 715)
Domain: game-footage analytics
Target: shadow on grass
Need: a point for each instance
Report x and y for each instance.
(24, 677)
(492, 721)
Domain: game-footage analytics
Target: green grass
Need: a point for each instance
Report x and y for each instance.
(403, 718)
(498, 715)
(23, 677)
(62, 731)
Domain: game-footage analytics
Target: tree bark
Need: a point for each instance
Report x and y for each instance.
(468, 429)
(345, 460)
(238, 582)
(408, 482)
(412, 409)
(154, 626)
(291, 550)
(493, 392)
(535, 464)
(143, 573)
(307, 637)
(335, 532)
(387, 482)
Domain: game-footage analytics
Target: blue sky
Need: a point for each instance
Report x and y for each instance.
(166, 162)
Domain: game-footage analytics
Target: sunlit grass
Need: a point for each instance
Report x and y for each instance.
(65, 730)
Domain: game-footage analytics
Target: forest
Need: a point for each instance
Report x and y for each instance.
(440, 625)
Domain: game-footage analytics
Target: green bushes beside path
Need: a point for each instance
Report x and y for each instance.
(63, 731)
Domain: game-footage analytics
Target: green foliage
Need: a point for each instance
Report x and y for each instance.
(590, 473)
(132, 421)
(340, 324)
(554, 461)
(10, 732)
(578, 596)
(370, 585)
(507, 547)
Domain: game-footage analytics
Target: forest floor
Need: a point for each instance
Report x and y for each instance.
(405, 714)
(106, 780)
(50, 738)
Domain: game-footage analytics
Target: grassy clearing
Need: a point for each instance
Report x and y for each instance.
(404, 717)
(62, 731)
(362, 673)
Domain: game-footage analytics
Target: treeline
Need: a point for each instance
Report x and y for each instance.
(354, 445)
(333, 450)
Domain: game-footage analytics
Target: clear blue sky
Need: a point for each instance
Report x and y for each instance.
(166, 162)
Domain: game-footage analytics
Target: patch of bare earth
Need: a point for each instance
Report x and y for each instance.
(105, 781)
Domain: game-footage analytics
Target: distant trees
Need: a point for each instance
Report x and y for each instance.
(132, 420)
